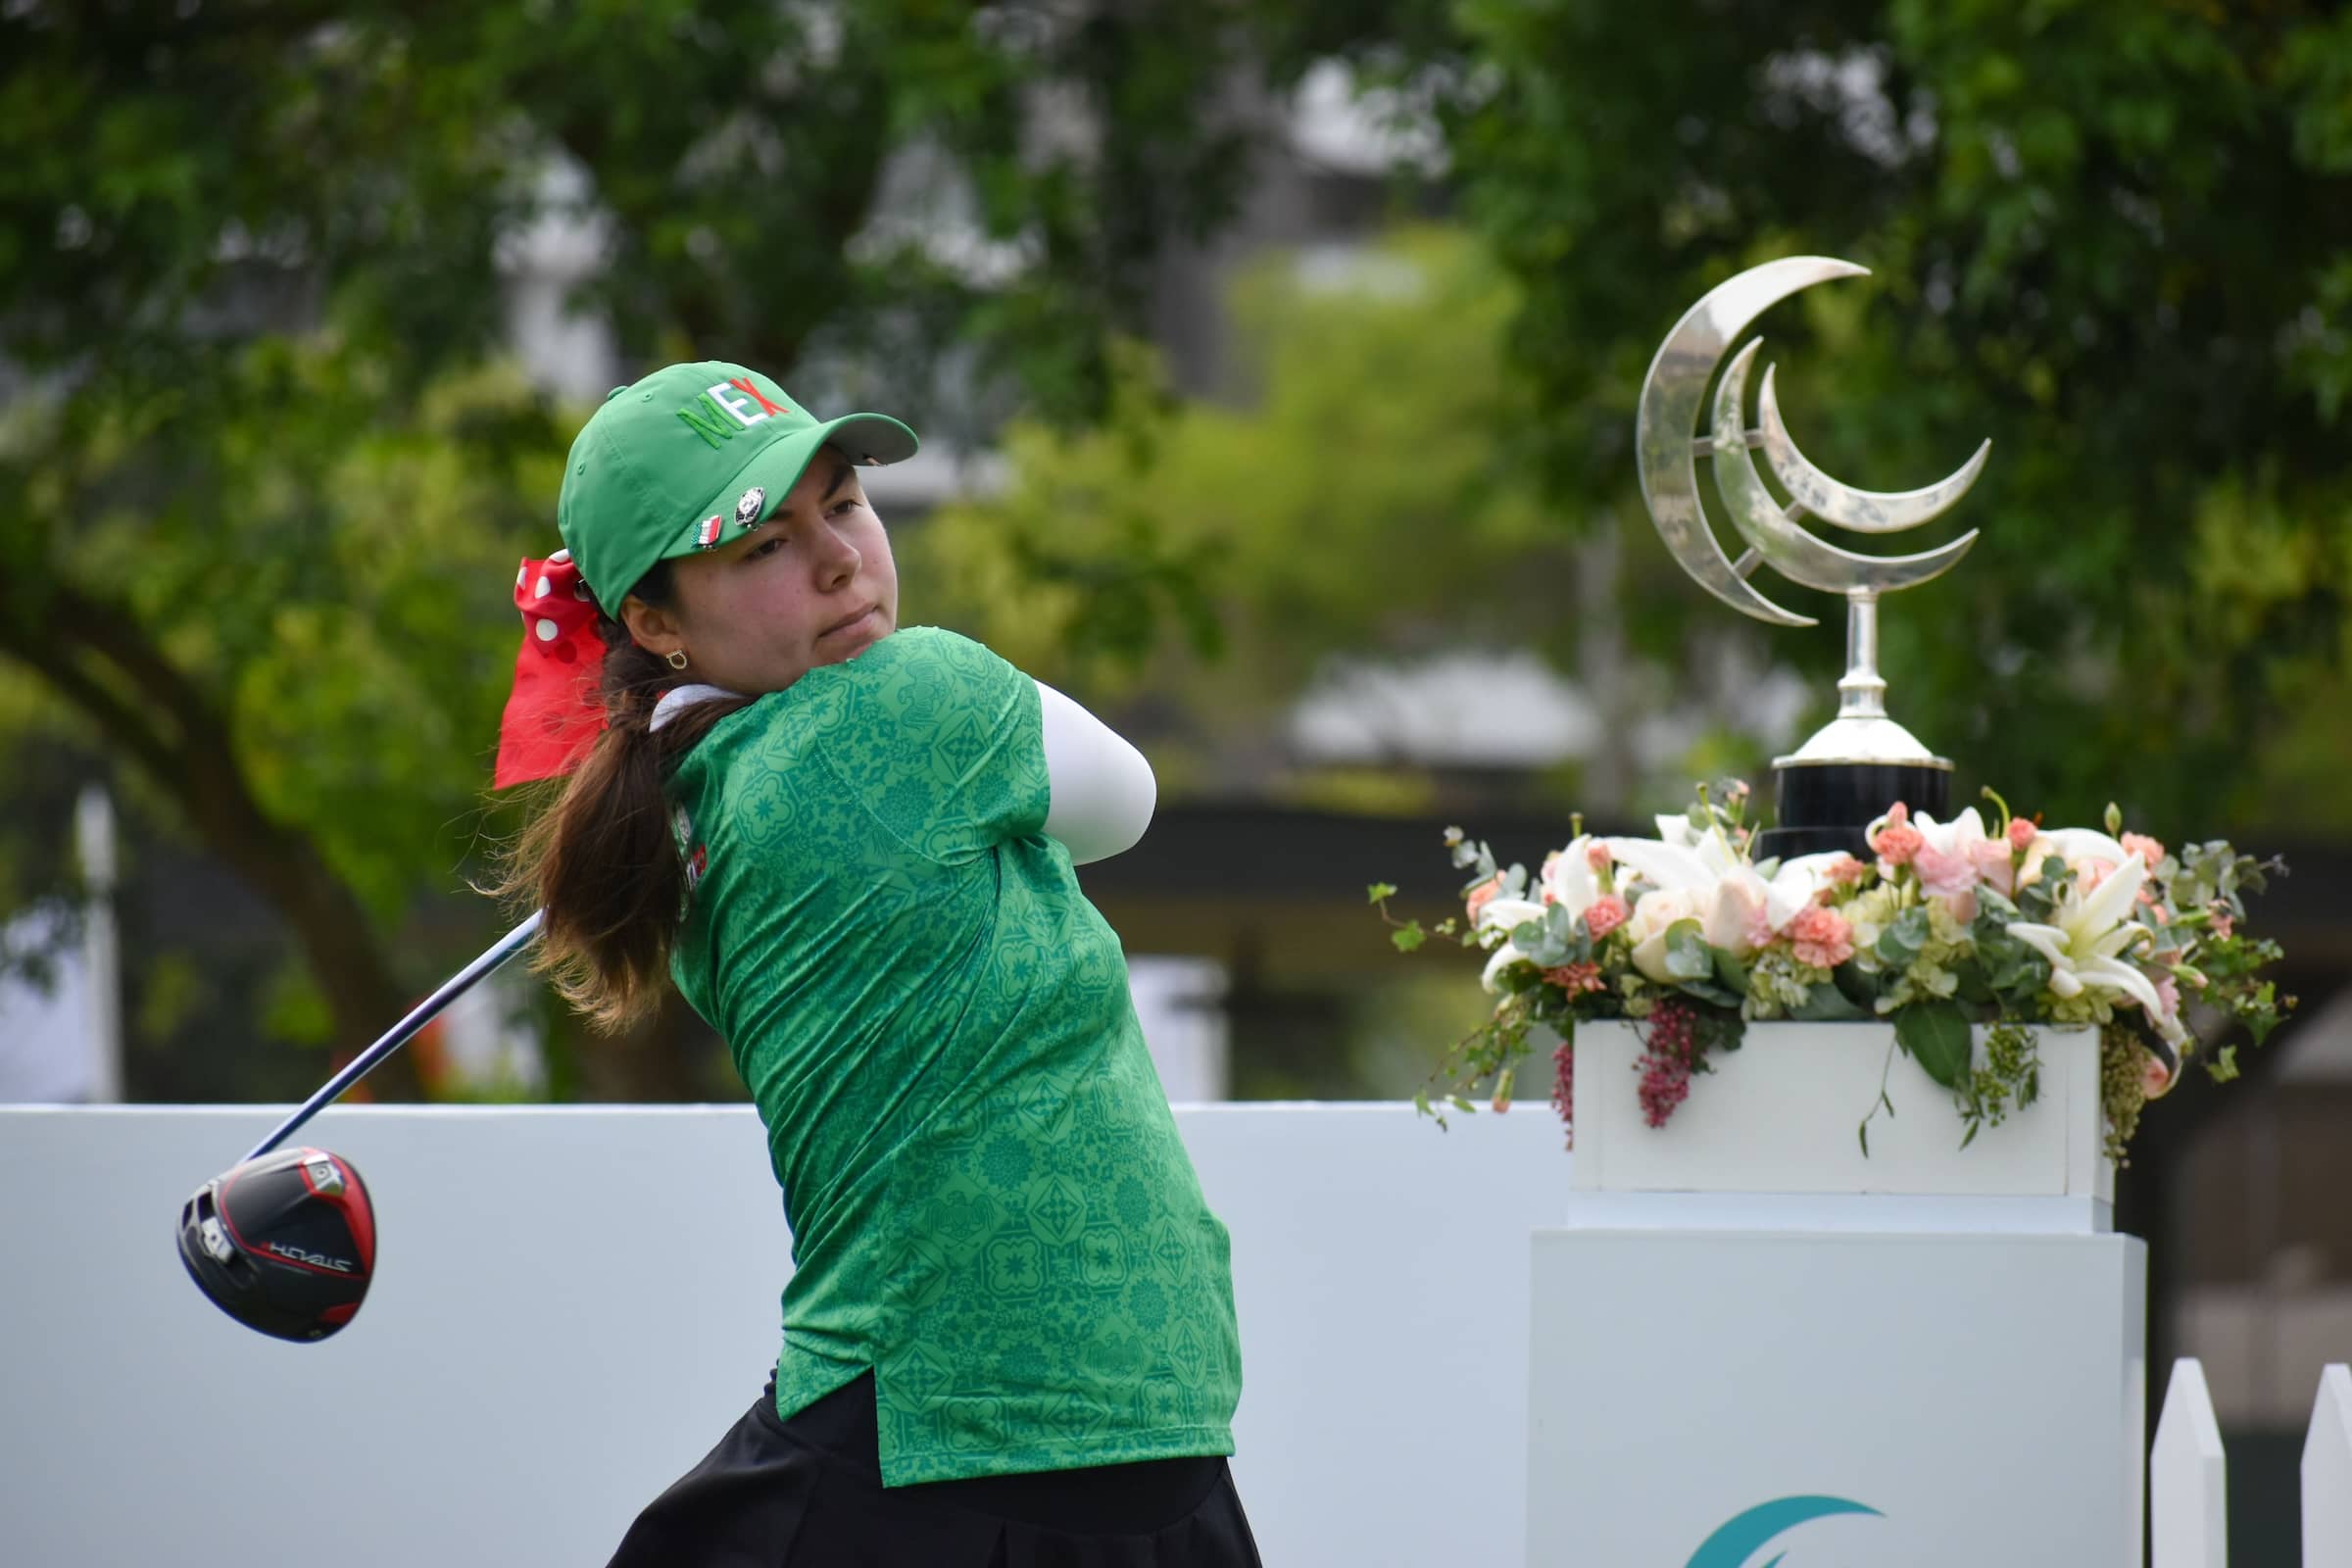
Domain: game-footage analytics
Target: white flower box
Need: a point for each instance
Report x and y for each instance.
(1779, 1116)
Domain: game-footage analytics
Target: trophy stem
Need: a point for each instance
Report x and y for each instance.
(1859, 764)
(1862, 693)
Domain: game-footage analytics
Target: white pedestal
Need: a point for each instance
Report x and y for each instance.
(1750, 1341)
(1982, 1394)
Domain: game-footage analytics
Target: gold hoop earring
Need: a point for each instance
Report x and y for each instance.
(676, 658)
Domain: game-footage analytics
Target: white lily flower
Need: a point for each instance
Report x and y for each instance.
(1954, 837)
(2087, 933)
(2070, 846)
(1569, 878)
(1699, 864)
(1502, 958)
(1507, 913)
(1710, 883)
(1793, 887)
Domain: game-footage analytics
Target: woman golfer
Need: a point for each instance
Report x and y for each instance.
(1009, 1335)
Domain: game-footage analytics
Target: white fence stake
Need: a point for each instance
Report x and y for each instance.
(2327, 1473)
(2188, 1506)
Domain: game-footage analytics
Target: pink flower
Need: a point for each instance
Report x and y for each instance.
(2223, 922)
(2146, 847)
(1945, 875)
(2155, 1078)
(1597, 855)
(1605, 915)
(2021, 834)
(1576, 978)
(1484, 893)
(2168, 995)
(1995, 863)
(1821, 938)
(2089, 873)
(1736, 792)
(1898, 841)
(1843, 871)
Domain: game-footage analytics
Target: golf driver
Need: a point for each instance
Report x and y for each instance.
(285, 1243)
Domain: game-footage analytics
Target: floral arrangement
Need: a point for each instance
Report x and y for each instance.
(1949, 926)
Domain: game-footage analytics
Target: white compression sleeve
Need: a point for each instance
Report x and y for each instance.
(1102, 789)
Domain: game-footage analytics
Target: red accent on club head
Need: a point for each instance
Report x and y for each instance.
(358, 1211)
(339, 1316)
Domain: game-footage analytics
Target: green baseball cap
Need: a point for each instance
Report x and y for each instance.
(689, 458)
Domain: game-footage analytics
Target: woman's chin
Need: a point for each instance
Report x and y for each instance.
(848, 642)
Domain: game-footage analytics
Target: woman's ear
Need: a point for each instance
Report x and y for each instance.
(650, 627)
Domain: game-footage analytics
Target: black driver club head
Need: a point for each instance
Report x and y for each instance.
(284, 1243)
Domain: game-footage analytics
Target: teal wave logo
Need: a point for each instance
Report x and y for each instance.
(1749, 1533)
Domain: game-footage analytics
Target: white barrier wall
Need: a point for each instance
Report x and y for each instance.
(574, 1303)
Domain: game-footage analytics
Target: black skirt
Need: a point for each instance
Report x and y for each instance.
(808, 1494)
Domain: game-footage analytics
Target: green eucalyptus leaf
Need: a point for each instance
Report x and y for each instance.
(1688, 955)
(1903, 938)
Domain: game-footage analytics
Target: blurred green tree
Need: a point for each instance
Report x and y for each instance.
(2116, 239)
(264, 463)
(1376, 495)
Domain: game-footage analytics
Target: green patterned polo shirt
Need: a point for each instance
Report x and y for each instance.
(989, 1203)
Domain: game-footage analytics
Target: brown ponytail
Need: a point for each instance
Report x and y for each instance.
(601, 859)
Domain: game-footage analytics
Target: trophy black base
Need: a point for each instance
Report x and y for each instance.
(1825, 807)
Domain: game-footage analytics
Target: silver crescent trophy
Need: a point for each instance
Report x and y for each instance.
(1830, 789)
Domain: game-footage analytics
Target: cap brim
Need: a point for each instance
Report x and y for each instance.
(866, 438)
